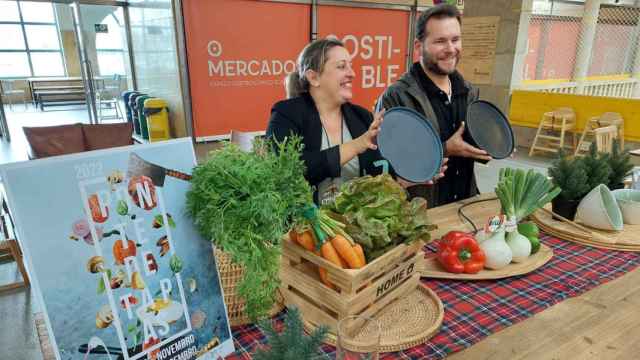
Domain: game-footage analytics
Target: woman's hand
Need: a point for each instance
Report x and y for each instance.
(362, 143)
(369, 140)
(406, 184)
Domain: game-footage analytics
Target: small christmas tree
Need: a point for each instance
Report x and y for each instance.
(570, 175)
(597, 167)
(292, 343)
(621, 166)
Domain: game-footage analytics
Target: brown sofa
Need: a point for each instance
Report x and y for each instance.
(45, 141)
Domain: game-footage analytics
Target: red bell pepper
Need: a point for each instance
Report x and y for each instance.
(459, 252)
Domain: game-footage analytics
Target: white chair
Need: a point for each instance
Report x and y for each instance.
(9, 92)
(107, 98)
(604, 138)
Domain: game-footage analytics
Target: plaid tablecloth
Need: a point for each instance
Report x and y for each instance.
(474, 310)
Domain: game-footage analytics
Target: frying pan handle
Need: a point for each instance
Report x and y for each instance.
(178, 174)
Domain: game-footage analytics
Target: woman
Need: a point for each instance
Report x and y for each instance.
(339, 137)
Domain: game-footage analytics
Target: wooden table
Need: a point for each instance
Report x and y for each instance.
(600, 324)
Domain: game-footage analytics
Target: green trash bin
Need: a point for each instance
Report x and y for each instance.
(142, 118)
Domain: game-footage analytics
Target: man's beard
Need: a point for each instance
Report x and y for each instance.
(429, 63)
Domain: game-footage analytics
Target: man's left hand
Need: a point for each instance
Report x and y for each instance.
(456, 146)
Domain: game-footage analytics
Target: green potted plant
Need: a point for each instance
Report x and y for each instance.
(597, 167)
(244, 202)
(621, 166)
(570, 175)
(291, 343)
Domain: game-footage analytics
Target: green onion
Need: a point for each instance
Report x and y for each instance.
(521, 193)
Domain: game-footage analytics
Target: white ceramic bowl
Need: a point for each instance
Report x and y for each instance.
(600, 210)
(629, 203)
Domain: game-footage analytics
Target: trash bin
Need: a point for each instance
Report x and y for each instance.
(125, 98)
(134, 112)
(142, 119)
(157, 114)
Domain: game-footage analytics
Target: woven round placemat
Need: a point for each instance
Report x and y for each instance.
(230, 274)
(406, 322)
(625, 240)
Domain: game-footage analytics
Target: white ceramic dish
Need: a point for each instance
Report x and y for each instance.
(600, 210)
(629, 203)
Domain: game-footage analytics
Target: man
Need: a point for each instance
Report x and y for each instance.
(434, 88)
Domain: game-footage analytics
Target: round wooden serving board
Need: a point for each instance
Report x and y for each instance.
(626, 240)
(432, 269)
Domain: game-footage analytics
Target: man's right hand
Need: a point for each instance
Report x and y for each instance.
(456, 146)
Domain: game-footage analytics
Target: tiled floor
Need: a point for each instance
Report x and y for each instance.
(18, 338)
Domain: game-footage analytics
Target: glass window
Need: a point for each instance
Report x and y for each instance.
(110, 62)
(47, 64)
(37, 12)
(12, 38)
(112, 39)
(9, 11)
(14, 64)
(42, 37)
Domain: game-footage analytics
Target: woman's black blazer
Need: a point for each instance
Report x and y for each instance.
(300, 116)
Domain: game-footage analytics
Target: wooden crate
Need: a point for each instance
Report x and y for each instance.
(363, 291)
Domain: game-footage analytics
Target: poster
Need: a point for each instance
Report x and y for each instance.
(239, 54)
(479, 38)
(377, 42)
(117, 263)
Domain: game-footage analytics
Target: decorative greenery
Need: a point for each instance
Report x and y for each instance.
(245, 202)
(570, 175)
(620, 163)
(292, 343)
(597, 167)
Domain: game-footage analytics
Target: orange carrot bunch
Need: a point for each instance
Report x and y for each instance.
(339, 250)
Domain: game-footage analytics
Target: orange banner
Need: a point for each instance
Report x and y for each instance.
(377, 41)
(239, 53)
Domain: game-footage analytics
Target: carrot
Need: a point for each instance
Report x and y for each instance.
(330, 253)
(323, 273)
(307, 240)
(293, 235)
(346, 251)
(360, 252)
(325, 278)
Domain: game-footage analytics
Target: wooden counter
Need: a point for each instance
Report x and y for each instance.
(600, 324)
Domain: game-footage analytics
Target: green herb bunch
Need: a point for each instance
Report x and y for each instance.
(620, 163)
(244, 202)
(569, 174)
(291, 343)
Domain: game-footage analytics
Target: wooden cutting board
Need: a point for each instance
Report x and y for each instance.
(432, 269)
(626, 240)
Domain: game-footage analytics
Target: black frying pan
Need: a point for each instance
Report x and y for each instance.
(490, 129)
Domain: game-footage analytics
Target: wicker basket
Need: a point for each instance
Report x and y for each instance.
(230, 274)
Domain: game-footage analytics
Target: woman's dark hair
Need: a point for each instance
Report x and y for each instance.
(313, 57)
(437, 12)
